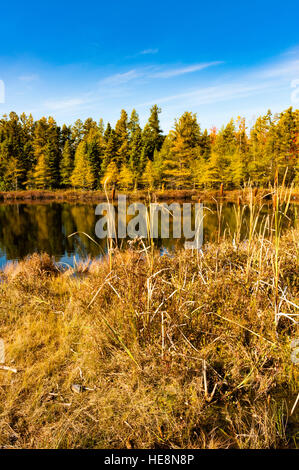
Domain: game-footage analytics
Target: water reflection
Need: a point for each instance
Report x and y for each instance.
(29, 228)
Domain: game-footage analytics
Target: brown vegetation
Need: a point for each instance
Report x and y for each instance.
(144, 351)
(159, 195)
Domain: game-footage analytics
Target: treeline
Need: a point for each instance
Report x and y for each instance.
(42, 155)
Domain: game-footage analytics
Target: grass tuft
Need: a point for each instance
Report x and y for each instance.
(181, 352)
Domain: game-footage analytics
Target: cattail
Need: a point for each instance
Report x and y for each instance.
(221, 189)
(113, 193)
(276, 178)
(255, 192)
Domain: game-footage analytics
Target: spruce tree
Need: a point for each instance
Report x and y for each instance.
(126, 177)
(148, 176)
(135, 147)
(66, 165)
(110, 149)
(122, 139)
(111, 175)
(185, 140)
(82, 176)
(41, 174)
(152, 134)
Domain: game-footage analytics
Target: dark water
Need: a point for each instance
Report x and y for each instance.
(40, 227)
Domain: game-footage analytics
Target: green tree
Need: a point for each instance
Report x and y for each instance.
(111, 175)
(82, 176)
(126, 177)
(122, 139)
(135, 147)
(66, 164)
(185, 140)
(148, 177)
(41, 174)
(152, 138)
(259, 159)
(110, 149)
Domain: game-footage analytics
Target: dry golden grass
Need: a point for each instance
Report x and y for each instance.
(180, 352)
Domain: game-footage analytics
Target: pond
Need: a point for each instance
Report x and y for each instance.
(45, 227)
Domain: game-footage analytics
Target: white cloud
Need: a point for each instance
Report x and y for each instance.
(148, 51)
(213, 94)
(120, 78)
(29, 78)
(148, 73)
(282, 69)
(183, 70)
(271, 78)
(64, 104)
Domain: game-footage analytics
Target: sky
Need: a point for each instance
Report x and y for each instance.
(73, 60)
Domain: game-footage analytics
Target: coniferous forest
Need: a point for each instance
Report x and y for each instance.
(86, 155)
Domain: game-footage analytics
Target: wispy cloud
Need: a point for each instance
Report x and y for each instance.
(57, 105)
(120, 78)
(258, 84)
(148, 51)
(282, 69)
(184, 70)
(29, 78)
(153, 72)
(213, 94)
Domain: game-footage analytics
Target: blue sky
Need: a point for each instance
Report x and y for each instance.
(71, 59)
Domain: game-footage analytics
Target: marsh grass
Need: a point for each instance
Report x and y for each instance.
(174, 352)
(157, 194)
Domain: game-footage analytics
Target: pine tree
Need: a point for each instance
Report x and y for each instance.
(199, 169)
(148, 177)
(77, 132)
(126, 177)
(26, 160)
(89, 125)
(65, 134)
(109, 150)
(95, 151)
(52, 156)
(66, 165)
(215, 171)
(258, 159)
(82, 176)
(133, 123)
(287, 151)
(152, 134)
(235, 174)
(122, 139)
(13, 174)
(158, 168)
(111, 175)
(185, 140)
(205, 145)
(107, 132)
(40, 154)
(135, 147)
(101, 127)
(46, 142)
(41, 174)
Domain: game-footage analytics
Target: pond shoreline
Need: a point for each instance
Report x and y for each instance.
(242, 195)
